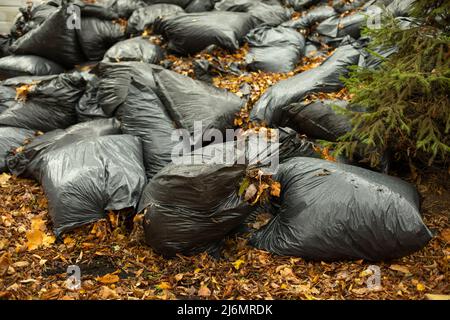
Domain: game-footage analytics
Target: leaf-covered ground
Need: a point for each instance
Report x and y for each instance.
(116, 264)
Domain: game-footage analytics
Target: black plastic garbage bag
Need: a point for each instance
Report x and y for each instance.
(135, 49)
(311, 17)
(200, 6)
(31, 17)
(188, 101)
(317, 119)
(274, 49)
(227, 5)
(143, 18)
(27, 161)
(180, 3)
(300, 5)
(11, 138)
(342, 6)
(324, 78)
(55, 39)
(192, 32)
(6, 41)
(88, 107)
(401, 8)
(84, 179)
(97, 36)
(206, 70)
(15, 66)
(262, 13)
(336, 27)
(143, 115)
(177, 222)
(106, 9)
(7, 97)
(332, 211)
(49, 104)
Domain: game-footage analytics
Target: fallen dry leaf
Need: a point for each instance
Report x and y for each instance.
(108, 278)
(204, 291)
(430, 296)
(400, 268)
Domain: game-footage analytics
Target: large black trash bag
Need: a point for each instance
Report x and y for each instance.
(332, 211)
(11, 138)
(336, 27)
(227, 5)
(191, 208)
(188, 101)
(317, 119)
(192, 32)
(15, 66)
(6, 41)
(200, 6)
(143, 114)
(262, 13)
(97, 36)
(27, 160)
(401, 8)
(50, 103)
(84, 179)
(180, 3)
(135, 49)
(274, 49)
(88, 107)
(31, 17)
(375, 57)
(55, 39)
(110, 9)
(206, 70)
(311, 17)
(300, 5)
(143, 18)
(324, 78)
(342, 6)
(7, 97)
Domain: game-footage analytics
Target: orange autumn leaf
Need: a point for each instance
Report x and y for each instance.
(275, 189)
(204, 291)
(108, 278)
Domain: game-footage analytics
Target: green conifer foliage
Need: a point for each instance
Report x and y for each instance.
(408, 96)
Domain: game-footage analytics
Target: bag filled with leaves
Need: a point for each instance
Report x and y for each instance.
(332, 211)
(325, 78)
(142, 19)
(262, 13)
(85, 179)
(317, 119)
(11, 138)
(88, 107)
(140, 110)
(44, 103)
(192, 32)
(311, 17)
(26, 160)
(135, 49)
(54, 39)
(16, 66)
(274, 49)
(177, 222)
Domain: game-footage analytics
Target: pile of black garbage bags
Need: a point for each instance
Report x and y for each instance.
(88, 108)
